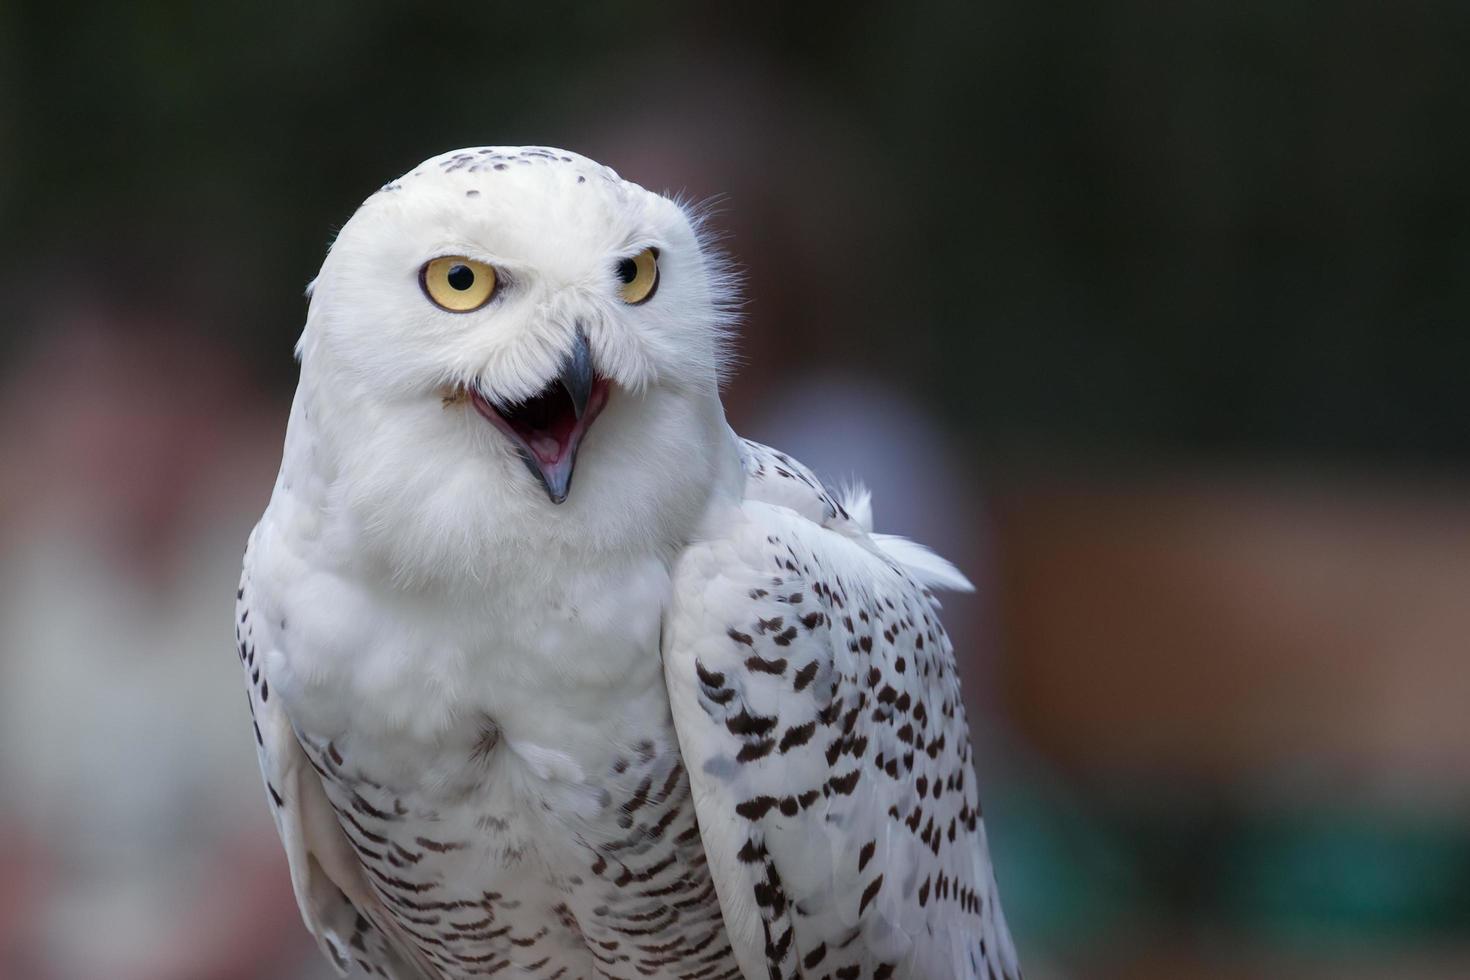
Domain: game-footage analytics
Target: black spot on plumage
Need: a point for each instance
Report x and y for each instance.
(870, 893)
(936, 746)
(804, 676)
(797, 735)
(752, 751)
(756, 807)
(767, 666)
(367, 809)
(747, 724)
(778, 951)
(816, 956)
(751, 852)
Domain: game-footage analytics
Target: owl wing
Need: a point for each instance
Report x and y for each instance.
(336, 903)
(815, 698)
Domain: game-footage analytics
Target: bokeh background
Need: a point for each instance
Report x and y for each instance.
(1152, 315)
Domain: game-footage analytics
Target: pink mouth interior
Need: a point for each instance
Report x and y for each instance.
(546, 425)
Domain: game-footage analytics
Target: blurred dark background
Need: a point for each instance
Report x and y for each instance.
(1152, 315)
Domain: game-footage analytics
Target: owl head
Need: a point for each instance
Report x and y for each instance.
(503, 322)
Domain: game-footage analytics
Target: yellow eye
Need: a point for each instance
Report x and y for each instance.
(457, 284)
(639, 277)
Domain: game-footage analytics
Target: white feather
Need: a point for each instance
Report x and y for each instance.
(923, 564)
(487, 663)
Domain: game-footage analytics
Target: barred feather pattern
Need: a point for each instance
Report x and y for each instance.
(405, 883)
(820, 716)
(808, 810)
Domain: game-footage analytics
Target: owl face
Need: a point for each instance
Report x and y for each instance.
(513, 316)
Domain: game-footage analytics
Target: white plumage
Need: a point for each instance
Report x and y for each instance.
(684, 717)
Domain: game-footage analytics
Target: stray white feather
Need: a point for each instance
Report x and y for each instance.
(927, 567)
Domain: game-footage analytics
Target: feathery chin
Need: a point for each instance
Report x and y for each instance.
(441, 499)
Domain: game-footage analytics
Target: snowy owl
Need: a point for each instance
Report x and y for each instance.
(552, 674)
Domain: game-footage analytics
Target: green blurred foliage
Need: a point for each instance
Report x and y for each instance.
(1104, 228)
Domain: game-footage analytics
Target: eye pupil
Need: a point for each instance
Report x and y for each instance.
(627, 270)
(461, 277)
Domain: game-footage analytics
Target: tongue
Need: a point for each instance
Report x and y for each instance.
(547, 449)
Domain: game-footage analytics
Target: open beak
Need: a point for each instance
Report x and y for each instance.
(548, 427)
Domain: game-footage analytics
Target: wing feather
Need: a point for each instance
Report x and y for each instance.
(815, 697)
(336, 903)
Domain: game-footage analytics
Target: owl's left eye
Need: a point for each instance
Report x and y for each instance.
(457, 284)
(638, 277)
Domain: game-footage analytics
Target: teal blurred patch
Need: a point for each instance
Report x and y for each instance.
(1329, 878)
(1066, 879)
(1081, 871)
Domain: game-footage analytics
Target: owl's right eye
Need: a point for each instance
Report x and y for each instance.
(457, 284)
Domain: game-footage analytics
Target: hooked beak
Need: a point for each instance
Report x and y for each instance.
(548, 428)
